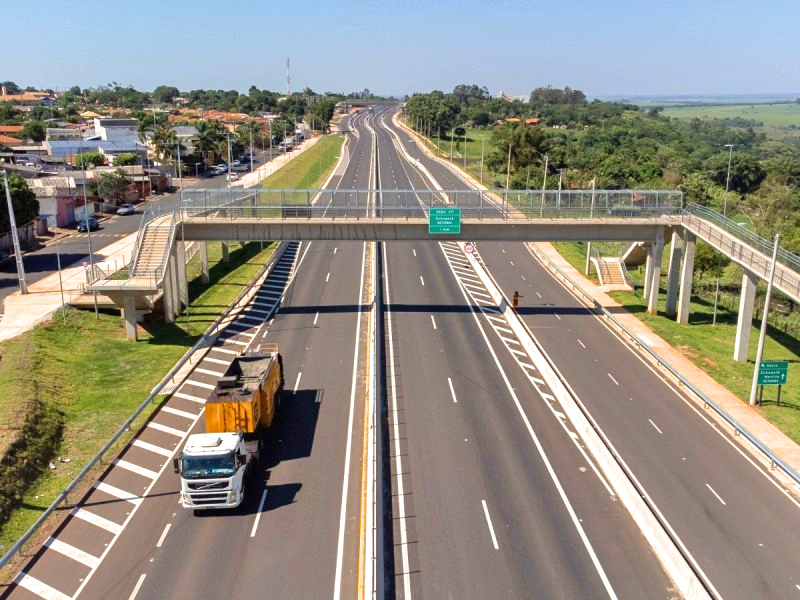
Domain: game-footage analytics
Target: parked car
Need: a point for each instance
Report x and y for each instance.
(126, 209)
(93, 225)
(236, 163)
(232, 176)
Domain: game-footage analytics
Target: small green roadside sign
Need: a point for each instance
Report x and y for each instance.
(773, 372)
(444, 219)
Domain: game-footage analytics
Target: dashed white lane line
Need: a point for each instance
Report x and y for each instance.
(327, 277)
(297, 382)
(72, 552)
(489, 523)
(523, 278)
(611, 377)
(161, 539)
(582, 344)
(189, 397)
(511, 262)
(39, 588)
(208, 386)
(152, 448)
(129, 466)
(335, 250)
(414, 251)
(98, 521)
(422, 281)
(538, 294)
(316, 316)
(452, 391)
(258, 514)
(137, 587)
(208, 372)
(655, 426)
(166, 429)
(717, 495)
(117, 493)
(433, 321)
(557, 316)
(217, 361)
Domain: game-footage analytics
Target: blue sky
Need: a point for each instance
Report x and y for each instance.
(611, 47)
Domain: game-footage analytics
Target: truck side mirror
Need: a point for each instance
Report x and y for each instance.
(176, 465)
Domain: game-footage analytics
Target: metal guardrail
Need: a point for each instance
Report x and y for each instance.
(125, 427)
(774, 460)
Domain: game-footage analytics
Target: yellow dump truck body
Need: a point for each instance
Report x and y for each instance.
(247, 396)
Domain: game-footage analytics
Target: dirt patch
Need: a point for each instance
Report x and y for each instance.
(693, 355)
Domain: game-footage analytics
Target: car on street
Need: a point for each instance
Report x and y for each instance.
(126, 209)
(236, 163)
(93, 224)
(232, 176)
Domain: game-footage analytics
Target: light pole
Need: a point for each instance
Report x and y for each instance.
(508, 173)
(544, 183)
(23, 285)
(465, 147)
(724, 213)
(483, 141)
(88, 228)
(763, 333)
(180, 179)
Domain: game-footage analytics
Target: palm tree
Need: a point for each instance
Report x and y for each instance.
(209, 138)
(164, 141)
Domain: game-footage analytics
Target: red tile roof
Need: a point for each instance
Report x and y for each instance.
(8, 140)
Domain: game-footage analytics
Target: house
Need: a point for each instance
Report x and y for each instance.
(45, 98)
(6, 140)
(10, 129)
(56, 196)
(116, 129)
(53, 134)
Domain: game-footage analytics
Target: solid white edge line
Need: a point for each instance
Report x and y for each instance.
(137, 587)
(346, 475)
(401, 503)
(161, 539)
(258, 514)
(550, 470)
(489, 523)
(452, 391)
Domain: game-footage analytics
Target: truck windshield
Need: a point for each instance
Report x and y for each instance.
(201, 467)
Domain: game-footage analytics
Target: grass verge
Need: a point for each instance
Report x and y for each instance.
(310, 169)
(89, 371)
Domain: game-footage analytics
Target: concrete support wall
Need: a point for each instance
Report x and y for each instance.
(687, 271)
(226, 257)
(129, 314)
(656, 255)
(745, 321)
(673, 276)
(204, 261)
(169, 291)
(648, 273)
(176, 295)
(180, 263)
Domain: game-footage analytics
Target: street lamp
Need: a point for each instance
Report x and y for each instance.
(724, 213)
(23, 286)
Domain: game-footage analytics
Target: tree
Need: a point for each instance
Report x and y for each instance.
(33, 130)
(706, 259)
(11, 87)
(279, 128)
(125, 159)
(462, 93)
(210, 135)
(114, 186)
(746, 172)
(165, 94)
(26, 206)
(696, 188)
(164, 141)
(8, 114)
(89, 159)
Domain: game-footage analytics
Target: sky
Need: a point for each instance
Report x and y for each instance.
(604, 48)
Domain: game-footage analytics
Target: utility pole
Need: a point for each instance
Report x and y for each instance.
(251, 148)
(724, 214)
(508, 174)
(465, 147)
(544, 184)
(23, 285)
(180, 179)
(763, 334)
(483, 141)
(86, 220)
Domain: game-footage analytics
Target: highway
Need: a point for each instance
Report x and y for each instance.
(736, 521)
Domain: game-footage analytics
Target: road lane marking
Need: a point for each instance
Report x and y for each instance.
(166, 429)
(489, 523)
(152, 448)
(217, 361)
(717, 495)
(327, 277)
(39, 588)
(392, 384)
(655, 426)
(433, 321)
(160, 541)
(452, 391)
(98, 521)
(538, 294)
(72, 552)
(610, 376)
(189, 397)
(335, 250)
(316, 316)
(208, 372)
(137, 587)
(414, 251)
(582, 344)
(258, 514)
(523, 278)
(223, 350)
(348, 447)
(422, 281)
(129, 466)
(257, 311)
(117, 493)
(557, 316)
(208, 386)
(297, 382)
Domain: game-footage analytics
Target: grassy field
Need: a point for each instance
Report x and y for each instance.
(310, 169)
(710, 347)
(771, 115)
(97, 378)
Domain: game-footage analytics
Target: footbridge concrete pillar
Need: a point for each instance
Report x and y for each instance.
(744, 322)
(648, 266)
(129, 314)
(204, 261)
(687, 271)
(226, 257)
(673, 276)
(180, 262)
(169, 293)
(655, 256)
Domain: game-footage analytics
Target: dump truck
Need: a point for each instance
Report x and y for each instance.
(216, 466)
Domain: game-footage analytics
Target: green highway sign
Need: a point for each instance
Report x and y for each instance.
(444, 219)
(773, 372)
